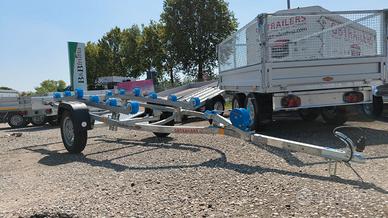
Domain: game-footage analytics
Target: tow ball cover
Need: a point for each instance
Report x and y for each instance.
(240, 118)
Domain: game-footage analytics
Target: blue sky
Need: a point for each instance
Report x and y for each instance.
(33, 34)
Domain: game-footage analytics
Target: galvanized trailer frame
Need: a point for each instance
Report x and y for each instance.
(76, 119)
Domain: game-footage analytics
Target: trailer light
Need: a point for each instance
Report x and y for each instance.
(49, 111)
(290, 101)
(23, 113)
(353, 97)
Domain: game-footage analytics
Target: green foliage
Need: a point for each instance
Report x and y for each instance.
(185, 39)
(50, 86)
(194, 28)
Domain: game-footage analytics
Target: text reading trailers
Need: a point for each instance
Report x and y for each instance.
(305, 58)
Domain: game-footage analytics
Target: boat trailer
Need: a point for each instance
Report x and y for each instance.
(78, 112)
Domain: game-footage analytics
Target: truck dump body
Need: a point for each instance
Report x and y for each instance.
(305, 49)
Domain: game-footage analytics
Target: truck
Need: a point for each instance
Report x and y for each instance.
(308, 60)
(18, 111)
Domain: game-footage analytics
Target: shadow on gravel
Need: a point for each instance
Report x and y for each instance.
(53, 158)
(29, 128)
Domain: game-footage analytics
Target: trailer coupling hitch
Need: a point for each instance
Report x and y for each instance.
(356, 147)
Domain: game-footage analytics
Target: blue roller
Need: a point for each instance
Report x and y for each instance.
(196, 102)
(134, 107)
(67, 93)
(173, 98)
(153, 95)
(137, 92)
(94, 99)
(112, 102)
(79, 93)
(57, 95)
(108, 94)
(122, 91)
(240, 118)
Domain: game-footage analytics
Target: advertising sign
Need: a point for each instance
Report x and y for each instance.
(77, 65)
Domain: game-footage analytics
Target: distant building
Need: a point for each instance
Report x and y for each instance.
(109, 82)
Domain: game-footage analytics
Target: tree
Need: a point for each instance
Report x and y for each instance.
(130, 51)
(111, 61)
(151, 48)
(194, 28)
(93, 66)
(50, 86)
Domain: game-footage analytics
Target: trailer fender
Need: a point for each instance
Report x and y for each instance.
(80, 112)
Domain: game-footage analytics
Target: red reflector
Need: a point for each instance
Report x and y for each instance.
(353, 97)
(49, 111)
(23, 113)
(291, 101)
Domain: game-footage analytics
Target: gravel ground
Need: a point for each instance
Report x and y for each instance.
(128, 173)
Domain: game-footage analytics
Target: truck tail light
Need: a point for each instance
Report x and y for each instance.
(290, 101)
(353, 97)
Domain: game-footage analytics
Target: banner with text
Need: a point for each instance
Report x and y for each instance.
(77, 65)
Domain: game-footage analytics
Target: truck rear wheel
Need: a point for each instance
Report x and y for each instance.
(334, 115)
(238, 100)
(216, 103)
(259, 107)
(17, 121)
(74, 141)
(38, 120)
(375, 109)
(309, 114)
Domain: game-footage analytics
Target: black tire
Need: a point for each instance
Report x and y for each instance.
(260, 109)
(375, 109)
(38, 120)
(216, 103)
(17, 121)
(78, 144)
(171, 123)
(309, 114)
(238, 100)
(334, 115)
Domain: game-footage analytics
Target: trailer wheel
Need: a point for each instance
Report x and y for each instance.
(38, 120)
(375, 109)
(216, 103)
(259, 109)
(334, 115)
(238, 101)
(17, 121)
(308, 114)
(74, 141)
(163, 116)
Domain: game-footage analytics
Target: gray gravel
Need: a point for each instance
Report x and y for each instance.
(128, 173)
